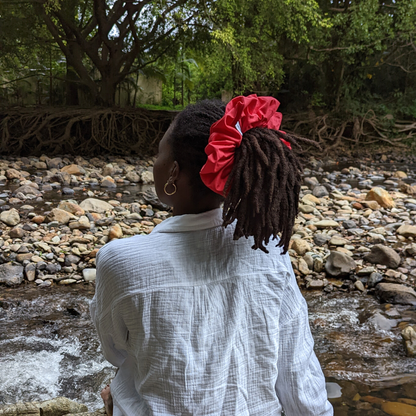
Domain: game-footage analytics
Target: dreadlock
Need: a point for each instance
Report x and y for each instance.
(262, 191)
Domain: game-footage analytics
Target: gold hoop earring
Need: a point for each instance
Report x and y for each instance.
(167, 193)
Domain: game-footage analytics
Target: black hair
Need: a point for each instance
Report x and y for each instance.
(262, 191)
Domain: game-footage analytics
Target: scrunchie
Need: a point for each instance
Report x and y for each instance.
(241, 114)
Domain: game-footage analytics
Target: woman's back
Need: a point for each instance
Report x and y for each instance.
(200, 324)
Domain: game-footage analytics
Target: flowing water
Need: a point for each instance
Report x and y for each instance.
(49, 348)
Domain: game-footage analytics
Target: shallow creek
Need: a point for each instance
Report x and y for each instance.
(48, 347)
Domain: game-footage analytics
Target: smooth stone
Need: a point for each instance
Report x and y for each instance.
(381, 254)
(73, 170)
(71, 259)
(60, 216)
(89, 274)
(321, 239)
(67, 282)
(320, 191)
(133, 176)
(147, 177)
(409, 338)
(381, 196)
(396, 294)
(407, 230)
(95, 205)
(10, 274)
(339, 264)
(398, 409)
(10, 217)
(337, 241)
(358, 284)
(108, 182)
(326, 224)
(303, 267)
(300, 246)
(315, 284)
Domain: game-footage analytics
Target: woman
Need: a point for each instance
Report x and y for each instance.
(198, 320)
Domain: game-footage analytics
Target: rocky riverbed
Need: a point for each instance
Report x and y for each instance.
(355, 236)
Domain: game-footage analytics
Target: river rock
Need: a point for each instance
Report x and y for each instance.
(380, 254)
(336, 240)
(321, 239)
(339, 264)
(20, 409)
(28, 190)
(73, 170)
(147, 177)
(30, 271)
(320, 191)
(326, 224)
(71, 259)
(301, 246)
(396, 293)
(89, 274)
(133, 176)
(400, 174)
(358, 284)
(95, 205)
(59, 215)
(409, 338)
(309, 198)
(17, 232)
(381, 196)
(13, 174)
(108, 182)
(10, 274)
(10, 217)
(61, 406)
(315, 284)
(71, 207)
(407, 230)
(303, 267)
(115, 232)
(398, 409)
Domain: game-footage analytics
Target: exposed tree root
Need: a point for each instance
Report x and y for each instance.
(115, 131)
(82, 131)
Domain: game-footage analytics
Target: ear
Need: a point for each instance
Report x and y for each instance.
(174, 173)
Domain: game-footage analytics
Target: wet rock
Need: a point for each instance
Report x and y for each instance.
(89, 274)
(115, 232)
(339, 264)
(400, 174)
(61, 406)
(38, 219)
(67, 281)
(381, 196)
(407, 230)
(301, 246)
(95, 205)
(11, 274)
(409, 338)
(68, 191)
(73, 170)
(10, 217)
(151, 198)
(59, 215)
(381, 254)
(411, 249)
(396, 293)
(398, 409)
(108, 182)
(28, 190)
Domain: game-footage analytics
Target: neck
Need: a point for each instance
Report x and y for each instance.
(198, 208)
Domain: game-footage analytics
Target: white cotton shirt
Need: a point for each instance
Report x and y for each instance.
(202, 325)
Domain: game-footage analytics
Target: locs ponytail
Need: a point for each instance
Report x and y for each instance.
(263, 187)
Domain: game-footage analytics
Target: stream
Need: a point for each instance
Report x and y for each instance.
(49, 348)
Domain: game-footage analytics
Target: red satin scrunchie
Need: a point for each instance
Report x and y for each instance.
(241, 114)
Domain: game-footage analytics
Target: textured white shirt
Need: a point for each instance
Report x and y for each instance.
(202, 325)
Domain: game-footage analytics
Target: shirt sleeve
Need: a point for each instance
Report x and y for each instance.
(300, 384)
(110, 327)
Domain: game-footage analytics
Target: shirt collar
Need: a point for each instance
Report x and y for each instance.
(190, 222)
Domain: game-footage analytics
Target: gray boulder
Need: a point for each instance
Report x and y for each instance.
(396, 294)
(380, 254)
(10, 274)
(339, 264)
